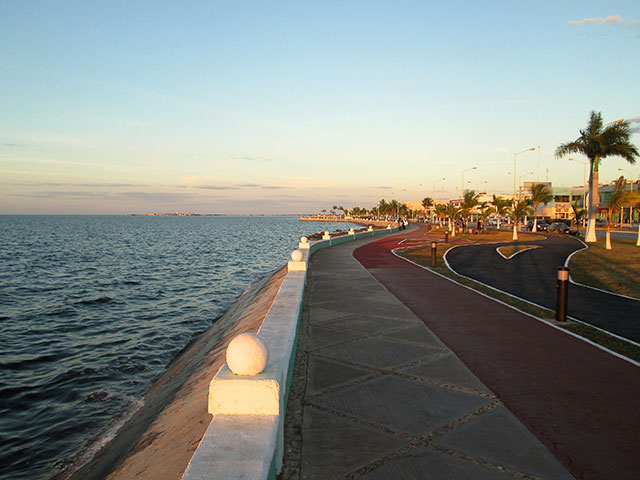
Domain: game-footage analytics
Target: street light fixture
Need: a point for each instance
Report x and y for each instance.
(520, 187)
(514, 169)
(631, 207)
(462, 184)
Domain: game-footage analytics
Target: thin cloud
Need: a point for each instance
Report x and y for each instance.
(217, 187)
(273, 187)
(611, 21)
(384, 187)
(91, 185)
(70, 195)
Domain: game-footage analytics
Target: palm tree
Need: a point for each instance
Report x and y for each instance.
(518, 210)
(452, 213)
(540, 193)
(596, 142)
(427, 204)
(469, 202)
(485, 210)
(501, 206)
(619, 198)
(441, 212)
(578, 212)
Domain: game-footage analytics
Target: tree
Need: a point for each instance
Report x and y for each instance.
(452, 213)
(427, 203)
(441, 212)
(485, 210)
(596, 142)
(502, 206)
(619, 198)
(518, 210)
(540, 193)
(578, 212)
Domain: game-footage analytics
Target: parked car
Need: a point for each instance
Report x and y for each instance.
(561, 227)
(541, 227)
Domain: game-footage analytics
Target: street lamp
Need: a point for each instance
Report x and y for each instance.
(462, 184)
(514, 169)
(520, 188)
(630, 207)
(584, 184)
(434, 187)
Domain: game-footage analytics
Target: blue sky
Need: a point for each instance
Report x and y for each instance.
(279, 107)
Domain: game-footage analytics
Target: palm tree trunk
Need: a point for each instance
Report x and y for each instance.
(590, 236)
(638, 240)
(608, 243)
(515, 230)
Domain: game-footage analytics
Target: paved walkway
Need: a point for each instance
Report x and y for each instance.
(377, 395)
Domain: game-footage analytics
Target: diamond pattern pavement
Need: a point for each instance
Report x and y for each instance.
(377, 395)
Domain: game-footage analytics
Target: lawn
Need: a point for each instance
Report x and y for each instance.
(616, 270)
(421, 254)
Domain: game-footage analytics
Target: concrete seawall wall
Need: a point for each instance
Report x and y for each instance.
(245, 437)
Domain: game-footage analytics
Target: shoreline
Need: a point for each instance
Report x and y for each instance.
(159, 439)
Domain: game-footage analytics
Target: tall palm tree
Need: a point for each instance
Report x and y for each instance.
(469, 202)
(502, 206)
(452, 213)
(596, 142)
(619, 198)
(519, 209)
(427, 204)
(540, 193)
(578, 212)
(441, 212)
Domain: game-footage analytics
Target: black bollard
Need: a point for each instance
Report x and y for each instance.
(434, 247)
(563, 291)
(446, 236)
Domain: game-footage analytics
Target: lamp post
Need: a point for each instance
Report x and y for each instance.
(434, 187)
(514, 169)
(630, 207)
(520, 181)
(462, 184)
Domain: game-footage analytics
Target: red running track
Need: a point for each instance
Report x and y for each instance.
(580, 401)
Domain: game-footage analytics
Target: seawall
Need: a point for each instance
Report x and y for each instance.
(159, 440)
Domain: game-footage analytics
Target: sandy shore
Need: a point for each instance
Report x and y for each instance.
(160, 439)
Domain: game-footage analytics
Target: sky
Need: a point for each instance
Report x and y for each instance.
(256, 107)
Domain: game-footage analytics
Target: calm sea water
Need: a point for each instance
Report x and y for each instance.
(94, 308)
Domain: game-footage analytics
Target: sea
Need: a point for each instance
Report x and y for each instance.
(94, 308)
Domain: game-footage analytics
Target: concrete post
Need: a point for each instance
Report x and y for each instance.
(562, 294)
(434, 248)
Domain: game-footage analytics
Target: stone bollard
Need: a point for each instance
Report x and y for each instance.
(326, 236)
(247, 355)
(370, 229)
(304, 243)
(388, 227)
(296, 264)
(351, 232)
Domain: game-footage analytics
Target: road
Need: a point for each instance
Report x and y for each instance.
(532, 275)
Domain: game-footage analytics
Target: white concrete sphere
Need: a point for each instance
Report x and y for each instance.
(296, 255)
(304, 239)
(326, 233)
(247, 354)
(351, 230)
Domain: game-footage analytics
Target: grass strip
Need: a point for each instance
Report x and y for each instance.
(616, 270)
